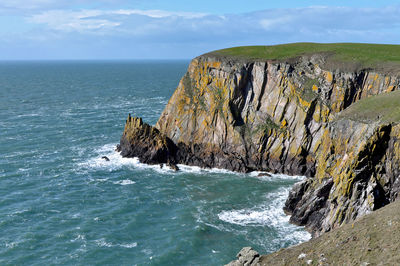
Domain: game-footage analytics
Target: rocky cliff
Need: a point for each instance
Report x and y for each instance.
(310, 114)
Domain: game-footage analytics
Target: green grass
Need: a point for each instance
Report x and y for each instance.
(365, 55)
(308, 94)
(383, 107)
(187, 83)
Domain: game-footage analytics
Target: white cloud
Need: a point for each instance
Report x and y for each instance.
(80, 21)
(160, 30)
(158, 13)
(269, 24)
(303, 23)
(90, 21)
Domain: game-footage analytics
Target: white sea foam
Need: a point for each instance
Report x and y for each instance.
(28, 115)
(79, 237)
(103, 243)
(124, 182)
(199, 170)
(116, 161)
(11, 245)
(18, 212)
(272, 176)
(131, 245)
(268, 214)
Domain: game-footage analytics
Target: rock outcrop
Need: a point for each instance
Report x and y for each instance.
(146, 142)
(288, 116)
(247, 256)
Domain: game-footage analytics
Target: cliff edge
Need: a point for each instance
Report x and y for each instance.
(327, 111)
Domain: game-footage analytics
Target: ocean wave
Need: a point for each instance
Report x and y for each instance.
(124, 182)
(269, 214)
(270, 176)
(28, 115)
(199, 170)
(103, 243)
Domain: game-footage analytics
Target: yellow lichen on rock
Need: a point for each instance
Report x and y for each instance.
(328, 77)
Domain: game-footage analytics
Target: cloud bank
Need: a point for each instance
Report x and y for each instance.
(134, 33)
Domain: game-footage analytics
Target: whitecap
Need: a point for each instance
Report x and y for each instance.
(19, 212)
(101, 179)
(130, 245)
(75, 216)
(11, 245)
(28, 115)
(103, 243)
(79, 237)
(124, 182)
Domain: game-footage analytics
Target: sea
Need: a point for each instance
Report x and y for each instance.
(62, 204)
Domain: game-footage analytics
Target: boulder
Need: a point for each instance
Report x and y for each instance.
(247, 256)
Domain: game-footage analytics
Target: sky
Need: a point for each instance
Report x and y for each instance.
(178, 29)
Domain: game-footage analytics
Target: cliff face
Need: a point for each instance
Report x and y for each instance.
(286, 116)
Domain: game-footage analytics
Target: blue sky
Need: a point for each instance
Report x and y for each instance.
(157, 29)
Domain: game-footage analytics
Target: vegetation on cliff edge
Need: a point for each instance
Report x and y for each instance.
(360, 55)
(383, 108)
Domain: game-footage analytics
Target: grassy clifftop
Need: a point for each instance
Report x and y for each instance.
(384, 108)
(357, 54)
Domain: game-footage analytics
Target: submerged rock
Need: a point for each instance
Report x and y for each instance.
(173, 166)
(264, 174)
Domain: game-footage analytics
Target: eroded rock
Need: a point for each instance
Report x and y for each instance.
(146, 142)
(247, 256)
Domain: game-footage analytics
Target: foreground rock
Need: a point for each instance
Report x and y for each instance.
(246, 257)
(301, 116)
(373, 239)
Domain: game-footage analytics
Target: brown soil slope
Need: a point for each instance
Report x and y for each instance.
(373, 239)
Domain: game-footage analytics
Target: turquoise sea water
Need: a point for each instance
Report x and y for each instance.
(61, 203)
